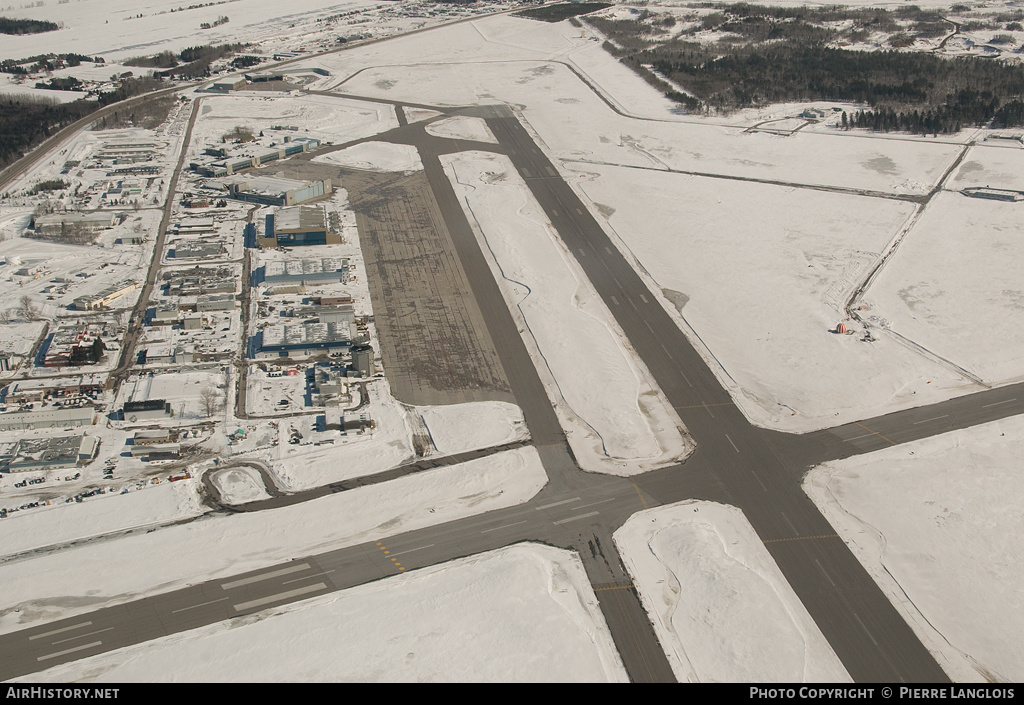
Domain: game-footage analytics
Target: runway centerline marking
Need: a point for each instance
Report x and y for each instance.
(201, 604)
(998, 403)
(280, 596)
(497, 528)
(758, 480)
(936, 418)
(59, 631)
(876, 433)
(307, 577)
(592, 504)
(731, 443)
(558, 504)
(265, 576)
(580, 516)
(400, 553)
(72, 638)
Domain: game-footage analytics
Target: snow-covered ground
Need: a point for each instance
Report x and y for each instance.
(954, 286)
(390, 443)
(79, 579)
(239, 485)
(96, 516)
(937, 523)
(462, 127)
(458, 427)
(328, 119)
(762, 273)
(473, 631)
(375, 156)
(615, 417)
(720, 606)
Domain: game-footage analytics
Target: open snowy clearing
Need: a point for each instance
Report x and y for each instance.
(615, 417)
(937, 523)
(720, 606)
(459, 427)
(954, 286)
(76, 580)
(759, 275)
(114, 30)
(329, 119)
(995, 163)
(462, 127)
(375, 156)
(473, 631)
(96, 516)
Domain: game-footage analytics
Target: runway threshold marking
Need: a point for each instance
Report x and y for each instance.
(876, 433)
(69, 651)
(241, 606)
(60, 631)
(265, 576)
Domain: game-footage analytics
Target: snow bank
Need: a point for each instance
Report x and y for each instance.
(720, 605)
(375, 156)
(616, 419)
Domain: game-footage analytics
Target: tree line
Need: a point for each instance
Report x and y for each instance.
(775, 55)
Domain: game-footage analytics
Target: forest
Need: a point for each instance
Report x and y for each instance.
(773, 55)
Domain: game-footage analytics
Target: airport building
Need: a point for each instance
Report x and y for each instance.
(50, 417)
(62, 223)
(314, 270)
(274, 191)
(297, 227)
(302, 339)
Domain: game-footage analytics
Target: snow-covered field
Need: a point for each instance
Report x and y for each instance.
(382, 632)
(116, 31)
(328, 119)
(720, 606)
(458, 427)
(764, 272)
(937, 523)
(79, 579)
(614, 415)
(375, 156)
(462, 127)
(954, 286)
(96, 516)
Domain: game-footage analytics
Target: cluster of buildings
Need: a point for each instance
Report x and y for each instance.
(232, 162)
(75, 346)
